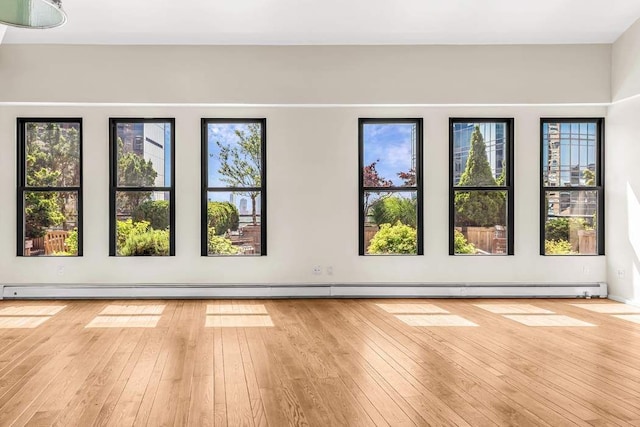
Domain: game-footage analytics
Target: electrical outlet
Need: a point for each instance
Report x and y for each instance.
(621, 274)
(330, 270)
(585, 269)
(317, 270)
(60, 270)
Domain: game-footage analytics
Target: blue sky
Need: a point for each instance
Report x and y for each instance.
(225, 133)
(390, 145)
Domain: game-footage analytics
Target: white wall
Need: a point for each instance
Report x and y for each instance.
(312, 151)
(306, 74)
(312, 203)
(623, 200)
(625, 70)
(622, 171)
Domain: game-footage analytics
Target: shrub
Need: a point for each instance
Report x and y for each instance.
(394, 209)
(71, 242)
(156, 212)
(394, 239)
(557, 247)
(152, 242)
(219, 245)
(222, 216)
(128, 228)
(461, 246)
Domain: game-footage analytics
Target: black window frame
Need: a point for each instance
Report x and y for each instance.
(113, 180)
(205, 189)
(598, 188)
(508, 187)
(419, 187)
(22, 187)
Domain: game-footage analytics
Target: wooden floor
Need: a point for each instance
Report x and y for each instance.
(320, 363)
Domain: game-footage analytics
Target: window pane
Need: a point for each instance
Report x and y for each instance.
(234, 223)
(479, 154)
(480, 226)
(571, 223)
(571, 154)
(53, 154)
(144, 154)
(235, 154)
(142, 223)
(390, 223)
(50, 223)
(389, 154)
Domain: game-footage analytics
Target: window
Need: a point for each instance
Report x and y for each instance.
(572, 181)
(142, 188)
(390, 176)
(234, 205)
(481, 186)
(49, 187)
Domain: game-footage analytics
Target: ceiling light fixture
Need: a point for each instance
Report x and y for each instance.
(32, 13)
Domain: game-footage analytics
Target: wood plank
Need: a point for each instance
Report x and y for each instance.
(321, 363)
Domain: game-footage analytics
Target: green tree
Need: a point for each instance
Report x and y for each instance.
(156, 212)
(52, 160)
(371, 178)
(563, 228)
(393, 209)
(557, 229)
(41, 211)
(133, 170)
(501, 181)
(589, 177)
(241, 163)
(478, 208)
(394, 239)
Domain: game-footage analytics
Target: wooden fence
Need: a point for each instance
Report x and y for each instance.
(51, 243)
(491, 240)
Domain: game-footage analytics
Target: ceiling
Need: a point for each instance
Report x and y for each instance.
(299, 22)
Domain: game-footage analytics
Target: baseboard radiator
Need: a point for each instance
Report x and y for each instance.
(370, 290)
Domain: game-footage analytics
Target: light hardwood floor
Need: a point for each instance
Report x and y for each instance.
(319, 363)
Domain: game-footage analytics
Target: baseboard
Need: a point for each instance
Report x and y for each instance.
(368, 290)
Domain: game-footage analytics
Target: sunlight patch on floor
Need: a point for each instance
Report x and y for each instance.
(411, 308)
(236, 309)
(513, 309)
(635, 318)
(124, 322)
(609, 308)
(19, 322)
(27, 316)
(231, 315)
(128, 316)
(434, 320)
(132, 310)
(547, 320)
(239, 321)
(32, 310)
